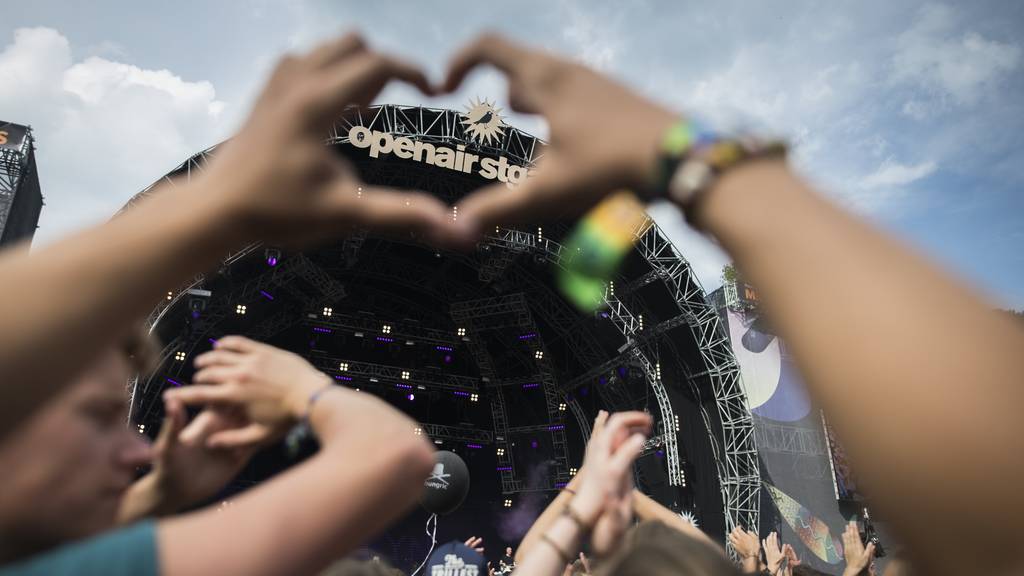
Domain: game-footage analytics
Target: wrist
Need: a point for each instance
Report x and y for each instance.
(300, 397)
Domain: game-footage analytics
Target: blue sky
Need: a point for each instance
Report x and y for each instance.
(909, 113)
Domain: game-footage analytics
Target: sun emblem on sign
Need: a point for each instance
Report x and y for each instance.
(483, 121)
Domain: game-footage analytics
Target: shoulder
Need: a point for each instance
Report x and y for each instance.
(129, 551)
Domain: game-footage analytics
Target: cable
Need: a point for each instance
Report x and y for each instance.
(432, 532)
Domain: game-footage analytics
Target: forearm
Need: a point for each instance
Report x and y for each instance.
(146, 498)
(645, 508)
(64, 304)
(547, 517)
(543, 559)
(891, 348)
(751, 565)
(369, 471)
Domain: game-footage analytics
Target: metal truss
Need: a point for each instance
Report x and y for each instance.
(735, 450)
(384, 374)
(514, 311)
(774, 437)
(457, 434)
(372, 325)
(13, 164)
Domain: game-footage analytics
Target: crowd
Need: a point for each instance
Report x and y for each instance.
(920, 379)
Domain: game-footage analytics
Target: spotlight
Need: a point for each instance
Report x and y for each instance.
(539, 354)
(170, 295)
(460, 332)
(508, 502)
(179, 356)
(240, 309)
(561, 407)
(272, 256)
(405, 374)
(410, 397)
(417, 431)
(386, 329)
(501, 451)
(573, 471)
(142, 428)
(328, 312)
(343, 367)
(474, 397)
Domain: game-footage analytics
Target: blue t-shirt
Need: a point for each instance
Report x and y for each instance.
(129, 551)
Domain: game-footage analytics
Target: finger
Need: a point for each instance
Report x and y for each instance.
(335, 51)
(199, 394)
(174, 419)
(385, 209)
(244, 437)
(870, 550)
(239, 344)
(550, 193)
(215, 375)
(627, 453)
(489, 48)
(599, 421)
(218, 357)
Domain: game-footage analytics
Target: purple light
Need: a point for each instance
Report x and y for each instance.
(504, 468)
(405, 386)
(345, 378)
(271, 260)
(528, 336)
(623, 371)
(195, 314)
(533, 443)
(322, 330)
(447, 358)
(660, 453)
(173, 381)
(474, 446)
(557, 427)
(461, 393)
(385, 339)
(561, 484)
(212, 341)
(533, 385)
(602, 380)
(266, 295)
(444, 348)
(410, 397)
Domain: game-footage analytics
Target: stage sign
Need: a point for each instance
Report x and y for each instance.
(12, 136)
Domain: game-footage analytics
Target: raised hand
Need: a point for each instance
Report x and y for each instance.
(586, 158)
(772, 553)
(270, 386)
(858, 557)
(604, 498)
(277, 179)
(476, 543)
(748, 546)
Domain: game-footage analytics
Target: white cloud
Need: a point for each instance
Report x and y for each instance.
(104, 129)
(891, 173)
(950, 65)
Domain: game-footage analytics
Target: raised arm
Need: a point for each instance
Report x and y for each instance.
(274, 181)
(369, 470)
(911, 365)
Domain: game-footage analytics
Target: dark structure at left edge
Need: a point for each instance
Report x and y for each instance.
(21, 200)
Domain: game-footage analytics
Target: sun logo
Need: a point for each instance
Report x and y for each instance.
(483, 121)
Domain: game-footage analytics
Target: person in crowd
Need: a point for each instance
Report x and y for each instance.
(369, 471)
(748, 548)
(860, 559)
(81, 435)
(881, 336)
(354, 567)
(601, 507)
(273, 182)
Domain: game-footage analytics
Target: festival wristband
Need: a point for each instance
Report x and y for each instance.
(311, 403)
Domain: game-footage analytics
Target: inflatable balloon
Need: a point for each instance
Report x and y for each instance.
(448, 484)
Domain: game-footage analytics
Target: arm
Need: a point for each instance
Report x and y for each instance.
(557, 506)
(646, 508)
(866, 318)
(275, 181)
(370, 470)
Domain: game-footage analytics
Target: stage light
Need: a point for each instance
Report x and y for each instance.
(386, 329)
(240, 309)
(328, 312)
(473, 397)
(343, 366)
(561, 407)
(676, 416)
(611, 287)
(410, 397)
(540, 233)
(170, 295)
(572, 471)
(405, 374)
(272, 256)
(641, 319)
(539, 354)
(417, 431)
(533, 444)
(501, 451)
(438, 442)
(142, 428)
(460, 332)
(179, 356)
(508, 502)
(455, 213)
(657, 370)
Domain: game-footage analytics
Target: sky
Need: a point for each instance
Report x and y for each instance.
(909, 113)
